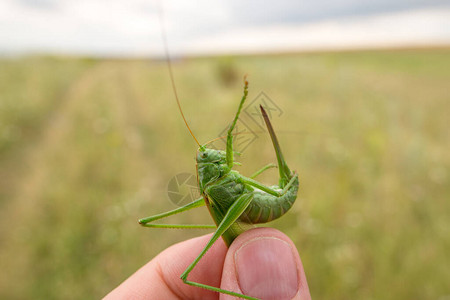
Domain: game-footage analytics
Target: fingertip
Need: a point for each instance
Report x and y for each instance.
(264, 263)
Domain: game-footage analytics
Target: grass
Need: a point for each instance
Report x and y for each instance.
(88, 146)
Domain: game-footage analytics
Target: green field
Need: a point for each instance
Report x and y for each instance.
(88, 146)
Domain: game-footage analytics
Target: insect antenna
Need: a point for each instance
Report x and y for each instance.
(169, 66)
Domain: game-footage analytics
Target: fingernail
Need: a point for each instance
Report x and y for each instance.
(266, 268)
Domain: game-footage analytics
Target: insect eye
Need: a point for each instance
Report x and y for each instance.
(204, 155)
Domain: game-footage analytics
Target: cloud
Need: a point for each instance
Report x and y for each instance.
(411, 28)
(84, 26)
(38, 4)
(254, 12)
(124, 28)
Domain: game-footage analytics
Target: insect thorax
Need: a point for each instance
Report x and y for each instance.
(211, 165)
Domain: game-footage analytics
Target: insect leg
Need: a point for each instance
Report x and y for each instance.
(260, 186)
(194, 204)
(262, 170)
(267, 189)
(230, 217)
(286, 188)
(233, 124)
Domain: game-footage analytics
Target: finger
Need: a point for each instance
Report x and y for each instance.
(160, 278)
(264, 263)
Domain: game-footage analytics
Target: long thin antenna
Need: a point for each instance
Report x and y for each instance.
(169, 66)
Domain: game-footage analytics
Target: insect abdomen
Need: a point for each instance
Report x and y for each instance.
(265, 207)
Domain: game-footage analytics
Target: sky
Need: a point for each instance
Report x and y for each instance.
(133, 27)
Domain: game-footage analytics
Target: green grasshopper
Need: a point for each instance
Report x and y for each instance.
(232, 198)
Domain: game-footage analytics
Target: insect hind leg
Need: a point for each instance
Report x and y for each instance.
(233, 213)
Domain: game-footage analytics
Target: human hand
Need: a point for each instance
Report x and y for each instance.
(262, 262)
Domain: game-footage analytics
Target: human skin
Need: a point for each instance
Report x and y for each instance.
(262, 262)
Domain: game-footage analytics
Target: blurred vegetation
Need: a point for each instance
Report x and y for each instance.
(226, 70)
(88, 146)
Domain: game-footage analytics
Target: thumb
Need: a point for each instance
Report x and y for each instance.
(264, 263)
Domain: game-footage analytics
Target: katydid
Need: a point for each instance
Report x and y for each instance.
(230, 197)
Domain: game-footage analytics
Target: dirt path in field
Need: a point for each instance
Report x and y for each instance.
(24, 218)
(29, 185)
(18, 216)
